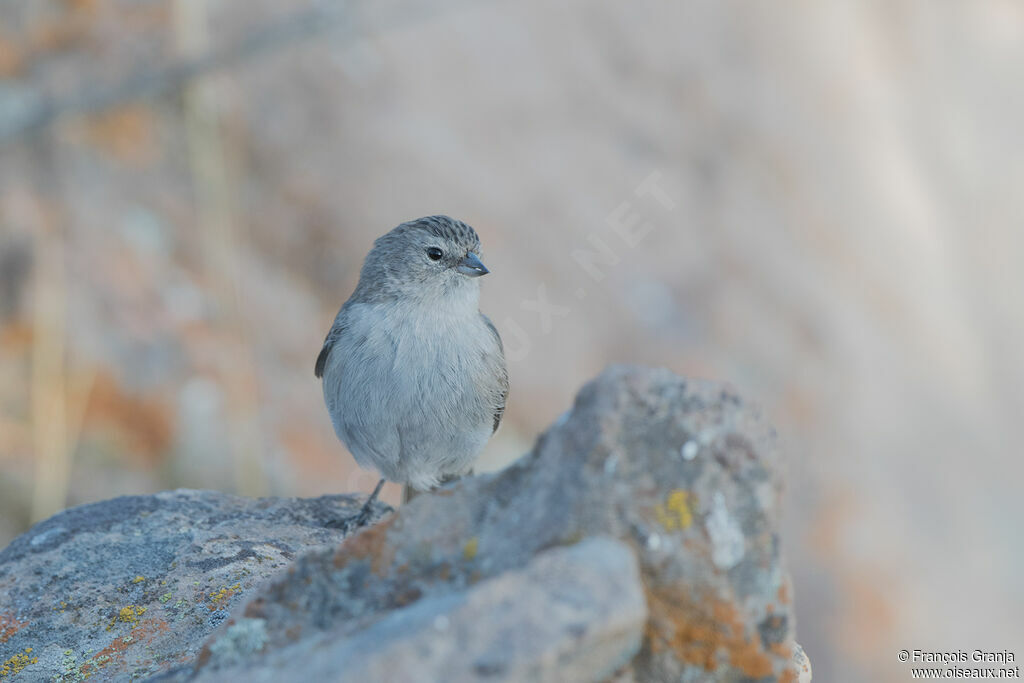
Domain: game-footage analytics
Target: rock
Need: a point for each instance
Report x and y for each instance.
(133, 586)
(637, 542)
(801, 664)
(684, 473)
(572, 614)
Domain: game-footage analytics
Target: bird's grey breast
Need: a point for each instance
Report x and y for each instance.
(415, 361)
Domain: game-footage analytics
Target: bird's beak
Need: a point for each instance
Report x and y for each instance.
(472, 266)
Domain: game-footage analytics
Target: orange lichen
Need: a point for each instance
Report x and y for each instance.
(115, 653)
(371, 544)
(782, 650)
(705, 631)
(9, 625)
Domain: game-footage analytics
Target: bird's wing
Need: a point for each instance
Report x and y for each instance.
(321, 361)
(503, 378)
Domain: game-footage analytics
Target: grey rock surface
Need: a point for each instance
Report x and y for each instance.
(682, 472)
(131, 587)
(636, 542)
(572, 614)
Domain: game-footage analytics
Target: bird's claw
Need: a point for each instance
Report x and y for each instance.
(351, 523)
(361, 518)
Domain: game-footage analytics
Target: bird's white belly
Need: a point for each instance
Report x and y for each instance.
(406, 402)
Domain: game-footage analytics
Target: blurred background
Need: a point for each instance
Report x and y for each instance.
(820, 203)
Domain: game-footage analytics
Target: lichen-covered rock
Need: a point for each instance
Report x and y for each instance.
(131, 587)
(682, 472)
(637, 542)
(802, 664)
(572, 614)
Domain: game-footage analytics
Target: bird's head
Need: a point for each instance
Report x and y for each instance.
(435, 257)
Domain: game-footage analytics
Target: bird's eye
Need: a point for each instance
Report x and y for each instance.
(434, 254)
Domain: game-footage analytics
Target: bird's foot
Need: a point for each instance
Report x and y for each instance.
(352, 522)
(361, 518)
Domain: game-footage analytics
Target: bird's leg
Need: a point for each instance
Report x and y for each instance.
(362, 518)
(408, 493)
(364, 514)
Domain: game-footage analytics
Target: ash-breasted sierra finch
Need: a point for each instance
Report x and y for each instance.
(414, 374)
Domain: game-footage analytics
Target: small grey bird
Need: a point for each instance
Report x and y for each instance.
(414, 374)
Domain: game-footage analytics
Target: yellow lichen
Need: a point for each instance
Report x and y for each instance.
(223, 594)
(469, 550)
(128, 615)
(675, 512)
(138, 579)
(17, 662)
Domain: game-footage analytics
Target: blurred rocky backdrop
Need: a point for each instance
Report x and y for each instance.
(819, 203)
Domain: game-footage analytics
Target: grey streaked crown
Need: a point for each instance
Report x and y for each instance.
(447, 228)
